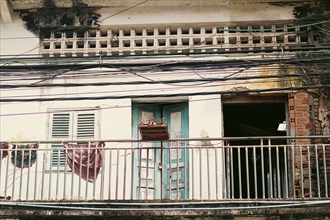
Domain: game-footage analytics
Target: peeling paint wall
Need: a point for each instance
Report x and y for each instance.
(324, 111)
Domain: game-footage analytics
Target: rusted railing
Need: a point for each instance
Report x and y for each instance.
(217, 169)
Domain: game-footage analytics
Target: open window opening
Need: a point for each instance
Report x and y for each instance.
(253, 171)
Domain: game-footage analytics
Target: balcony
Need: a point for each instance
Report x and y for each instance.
(179, 173)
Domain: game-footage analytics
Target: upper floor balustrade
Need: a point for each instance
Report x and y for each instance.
(212, 169)
(179, 39)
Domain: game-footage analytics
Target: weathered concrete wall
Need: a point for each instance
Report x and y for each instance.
(28, 4)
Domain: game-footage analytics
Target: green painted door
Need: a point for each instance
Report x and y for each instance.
(161, 170)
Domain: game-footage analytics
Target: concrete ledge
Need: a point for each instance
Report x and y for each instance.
(310, 212)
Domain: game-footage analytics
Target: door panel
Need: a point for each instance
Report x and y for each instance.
(146, 160)
(176, 186)
(162, 167)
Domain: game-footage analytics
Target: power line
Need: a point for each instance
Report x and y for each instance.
(76, 94)
(126, 9)
(155, 82)
(168, 95)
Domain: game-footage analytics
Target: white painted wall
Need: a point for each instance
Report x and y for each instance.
(149, 16)
(15, 39)
(193, 14)
(29, 121)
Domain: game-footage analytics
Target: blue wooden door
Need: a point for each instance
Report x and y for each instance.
(161, 169)
(175, 152)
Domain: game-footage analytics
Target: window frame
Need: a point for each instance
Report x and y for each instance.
(73, 129)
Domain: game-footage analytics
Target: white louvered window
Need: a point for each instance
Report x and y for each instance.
(71, 125)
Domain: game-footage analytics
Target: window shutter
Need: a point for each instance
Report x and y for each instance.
(86, 126)
(60, 130)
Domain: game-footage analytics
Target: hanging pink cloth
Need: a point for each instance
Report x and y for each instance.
(90, 163)
(5, 147)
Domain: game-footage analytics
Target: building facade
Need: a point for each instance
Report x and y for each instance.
(225, 80)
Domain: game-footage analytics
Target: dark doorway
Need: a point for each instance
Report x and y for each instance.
(254, 170)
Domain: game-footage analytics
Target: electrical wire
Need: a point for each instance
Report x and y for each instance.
(247, 91)
(126, 9)
(129, 91)
(6, 86)
(12, 75)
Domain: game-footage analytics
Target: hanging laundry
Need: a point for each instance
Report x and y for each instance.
(25, 155)
(85, 161)
(4, 149)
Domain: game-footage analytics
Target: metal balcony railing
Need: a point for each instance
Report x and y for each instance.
(228, 169)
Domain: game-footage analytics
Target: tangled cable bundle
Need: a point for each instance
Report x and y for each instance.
(24, 155)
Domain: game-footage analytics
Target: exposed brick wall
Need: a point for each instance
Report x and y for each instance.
(302, 115)
(303, 111)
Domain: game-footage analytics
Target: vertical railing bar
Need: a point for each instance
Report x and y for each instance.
(80, 172)
(132, 172)
(43, 174)
(35, 180)
(225, 171)
(301, 172)
(325, 171)
(147, 175)
(110, 172)
(278, 173)
(87, 170)
(21, 176)
(65, 172)
(192, 174)
(124, 185)
(95, 167)
(184, 170)
(50, 174)
(286, 172)
(309, 172)
(293, 150)
(177, 170)
(28, 177)
(7, 167)
(72, 170)
(200, 173)
(216, 172)
(14, 172)
(317, 171)
(170, 170)
(155, 167)
(262, 169)
(247, 172)
(270, 168)
(225, 174)
(57, 173)
(163, 187)
(255, 173)
(117, 175)
(208, 172)
(102, 152)
(239, 172)
(232, 173)
(139, 173)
